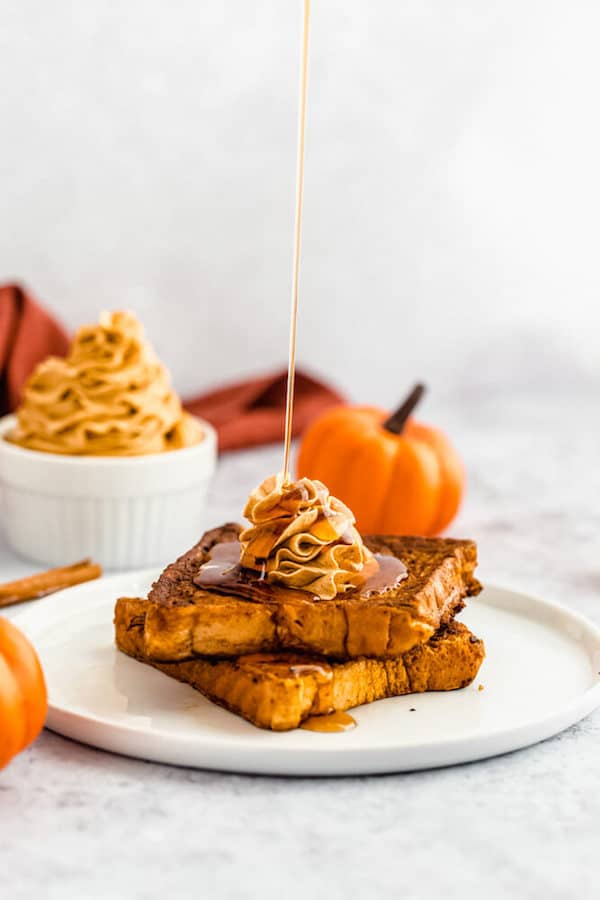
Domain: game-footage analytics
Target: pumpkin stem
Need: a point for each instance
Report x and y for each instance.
(397, 420)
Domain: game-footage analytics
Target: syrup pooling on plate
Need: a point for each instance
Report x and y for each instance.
(335, 721)
(223, 574)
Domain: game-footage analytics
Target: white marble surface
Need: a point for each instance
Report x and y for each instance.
(75, 822)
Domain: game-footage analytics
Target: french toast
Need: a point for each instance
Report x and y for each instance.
(279, 691)
(183, 621)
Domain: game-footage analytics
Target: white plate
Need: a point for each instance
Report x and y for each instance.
(542, 674)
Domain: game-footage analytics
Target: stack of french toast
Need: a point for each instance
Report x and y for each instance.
(278, 662)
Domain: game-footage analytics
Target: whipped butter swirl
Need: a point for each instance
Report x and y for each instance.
(301, 537)
(110, 396)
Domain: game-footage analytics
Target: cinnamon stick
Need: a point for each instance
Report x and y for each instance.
(43, 583)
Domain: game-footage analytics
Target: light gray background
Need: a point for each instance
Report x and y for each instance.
(452, 186)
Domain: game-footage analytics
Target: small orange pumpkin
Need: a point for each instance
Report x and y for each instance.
(23, 697)
(397, 476)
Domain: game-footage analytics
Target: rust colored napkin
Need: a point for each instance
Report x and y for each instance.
(250, 413)
(27, 335)
(245, 414)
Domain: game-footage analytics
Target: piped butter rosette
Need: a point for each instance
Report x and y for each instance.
(110, 396)
(303, 538)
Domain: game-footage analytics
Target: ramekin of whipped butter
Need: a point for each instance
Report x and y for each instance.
(100, 459)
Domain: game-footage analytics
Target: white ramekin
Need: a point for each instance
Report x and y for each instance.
(124, 512)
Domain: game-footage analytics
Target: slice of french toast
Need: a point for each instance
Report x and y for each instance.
(280, 690)
(183, 620)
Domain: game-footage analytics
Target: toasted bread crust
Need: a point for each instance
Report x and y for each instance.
(265, 690)
(184, 621)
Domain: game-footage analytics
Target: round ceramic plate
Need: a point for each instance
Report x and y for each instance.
(541, 674)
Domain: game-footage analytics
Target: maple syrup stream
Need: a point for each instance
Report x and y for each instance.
(289, 402)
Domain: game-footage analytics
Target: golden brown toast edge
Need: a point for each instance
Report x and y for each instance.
(264, 690)
(184, 621)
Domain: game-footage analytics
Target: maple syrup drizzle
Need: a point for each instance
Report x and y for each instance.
(291, 378)
(286, 665)
(334, 722)
(323, 670)
(222, 573)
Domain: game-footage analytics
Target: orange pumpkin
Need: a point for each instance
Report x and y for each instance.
(397, 476)
(23, 697)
